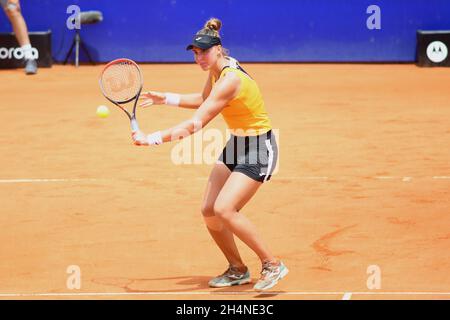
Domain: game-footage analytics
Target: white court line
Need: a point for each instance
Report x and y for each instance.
(65, 180)
(283, 178)
(385, 177)
(405, 178)
(209, 293)
(51, 180)
(46, 180)
(347, 296)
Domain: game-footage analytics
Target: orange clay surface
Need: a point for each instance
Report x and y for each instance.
(363, 179)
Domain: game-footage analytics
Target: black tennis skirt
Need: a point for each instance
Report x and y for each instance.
(254, 156)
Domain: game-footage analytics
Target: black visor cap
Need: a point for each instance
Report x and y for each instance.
(204, 41)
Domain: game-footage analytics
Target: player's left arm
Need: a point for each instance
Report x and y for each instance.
(225, 90)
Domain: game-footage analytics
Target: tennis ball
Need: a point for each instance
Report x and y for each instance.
(102, 111)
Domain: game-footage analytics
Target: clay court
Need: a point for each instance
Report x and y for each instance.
(363, 179)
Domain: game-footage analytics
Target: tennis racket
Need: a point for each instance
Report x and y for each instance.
(121, 82)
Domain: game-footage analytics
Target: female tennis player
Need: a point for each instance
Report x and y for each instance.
(246, 162)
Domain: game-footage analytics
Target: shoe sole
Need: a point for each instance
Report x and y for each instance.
(273, 283)
(230, 284)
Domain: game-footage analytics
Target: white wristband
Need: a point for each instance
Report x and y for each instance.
(173, 99)
(154, 138)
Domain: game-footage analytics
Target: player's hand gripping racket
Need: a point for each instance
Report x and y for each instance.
(121, 82)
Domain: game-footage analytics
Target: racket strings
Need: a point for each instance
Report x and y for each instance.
(121, 81)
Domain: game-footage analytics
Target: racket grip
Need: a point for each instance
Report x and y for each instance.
(134, 125)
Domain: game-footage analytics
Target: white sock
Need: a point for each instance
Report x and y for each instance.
(27, 53)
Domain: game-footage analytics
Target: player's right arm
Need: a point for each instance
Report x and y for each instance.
(188, 101)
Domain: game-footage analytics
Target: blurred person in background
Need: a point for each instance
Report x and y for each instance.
(14, 14)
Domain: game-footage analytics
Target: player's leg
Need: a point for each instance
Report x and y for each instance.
(236, 192)
(12, 10)
(237, 273)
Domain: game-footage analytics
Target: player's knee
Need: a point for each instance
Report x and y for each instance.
(223, 210)
(211, 220)
(207, 210)
(12, 10)
(213, 223)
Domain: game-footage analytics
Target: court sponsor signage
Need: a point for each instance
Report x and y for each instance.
(11, 55)
(433, 48)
